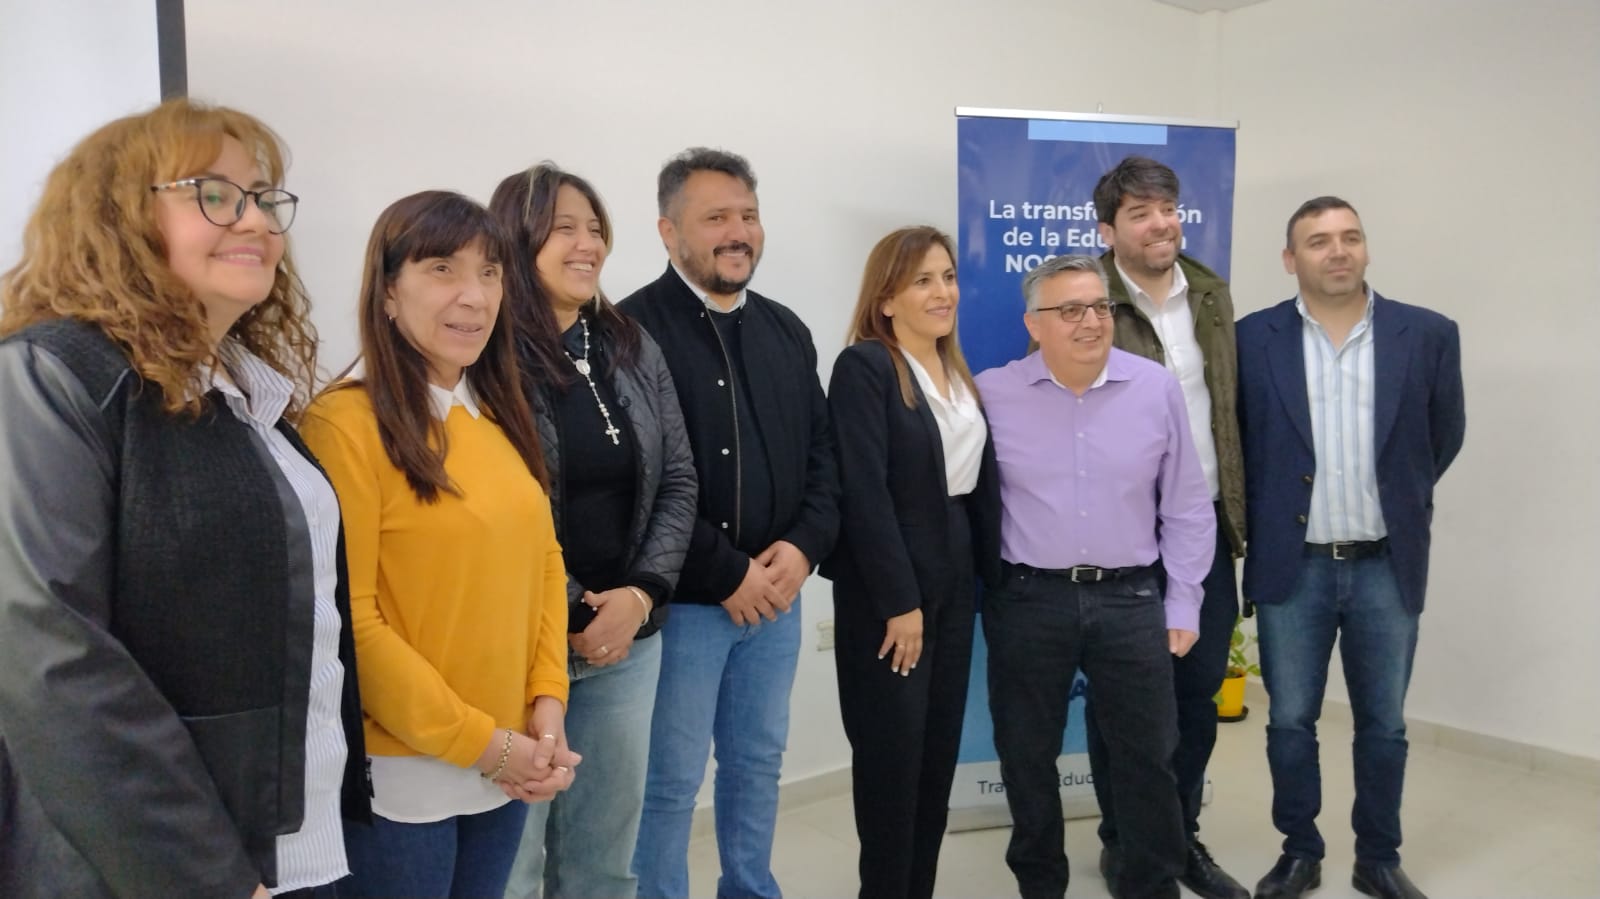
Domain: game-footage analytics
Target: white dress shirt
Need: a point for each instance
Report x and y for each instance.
(1341, 389)
(258, 395)
(1174, 326)
(961, 429)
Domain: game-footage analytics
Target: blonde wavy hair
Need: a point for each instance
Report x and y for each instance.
(92, 251)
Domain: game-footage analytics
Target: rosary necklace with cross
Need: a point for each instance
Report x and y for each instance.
(583, 367)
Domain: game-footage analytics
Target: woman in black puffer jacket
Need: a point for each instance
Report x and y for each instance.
(623, 490)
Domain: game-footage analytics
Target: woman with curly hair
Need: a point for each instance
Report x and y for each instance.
(178, 705)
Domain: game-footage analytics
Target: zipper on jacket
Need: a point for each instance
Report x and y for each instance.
(738, 454)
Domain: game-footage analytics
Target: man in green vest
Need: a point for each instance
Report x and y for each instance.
(1177, 312)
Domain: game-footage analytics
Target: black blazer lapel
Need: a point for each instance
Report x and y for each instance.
(983, 511)
(924, 413)
(679, 292)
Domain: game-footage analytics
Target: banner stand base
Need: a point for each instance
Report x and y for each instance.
(988, 817)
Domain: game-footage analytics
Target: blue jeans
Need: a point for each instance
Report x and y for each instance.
(465, 857)
(728, 683)
(581, 844)
(1357, 601)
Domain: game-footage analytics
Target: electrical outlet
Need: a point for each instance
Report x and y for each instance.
(825, 635)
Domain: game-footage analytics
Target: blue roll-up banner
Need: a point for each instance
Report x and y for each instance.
(1026, 194)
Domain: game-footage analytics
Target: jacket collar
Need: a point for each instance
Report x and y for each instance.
(705, 297)
(1202, 280)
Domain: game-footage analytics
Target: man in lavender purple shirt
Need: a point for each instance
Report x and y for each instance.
(1107, 530)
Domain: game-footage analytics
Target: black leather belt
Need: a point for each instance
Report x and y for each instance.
(1084, 574)
(1349, 550)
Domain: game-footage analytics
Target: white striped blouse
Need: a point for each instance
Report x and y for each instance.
(313, 855)
(1341, 388)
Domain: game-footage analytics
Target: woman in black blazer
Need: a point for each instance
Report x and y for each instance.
(919, 500)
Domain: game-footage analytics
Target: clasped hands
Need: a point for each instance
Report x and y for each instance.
(539, 764)
(618, 616)
(770, 584)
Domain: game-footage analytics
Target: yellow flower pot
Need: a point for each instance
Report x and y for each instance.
(1230, 699)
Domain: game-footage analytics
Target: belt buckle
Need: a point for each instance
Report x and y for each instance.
(1099, 574)
(1337, 545)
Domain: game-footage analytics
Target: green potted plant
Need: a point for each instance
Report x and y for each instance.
(1241, 662)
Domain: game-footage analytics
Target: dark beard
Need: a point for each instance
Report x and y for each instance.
(712, 281)
(722, 286)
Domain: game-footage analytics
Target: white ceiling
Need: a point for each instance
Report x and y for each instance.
(1210, 5)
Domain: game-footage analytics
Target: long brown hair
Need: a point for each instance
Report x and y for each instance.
(525, 205)
(890, 268)
(423, 226)
(92, 251)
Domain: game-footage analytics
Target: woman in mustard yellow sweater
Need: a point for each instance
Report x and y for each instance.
(458, 594)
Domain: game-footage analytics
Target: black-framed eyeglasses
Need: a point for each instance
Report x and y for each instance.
(222, 202)
(1074, 312)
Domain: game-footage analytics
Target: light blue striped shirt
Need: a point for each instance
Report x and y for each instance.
(1340, 389)
(314, 855)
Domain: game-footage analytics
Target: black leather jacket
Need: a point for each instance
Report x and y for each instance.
(154, 639)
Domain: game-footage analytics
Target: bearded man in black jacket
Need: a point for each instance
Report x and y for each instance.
(745, 370)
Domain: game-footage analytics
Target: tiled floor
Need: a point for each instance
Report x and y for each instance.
(1474, 828)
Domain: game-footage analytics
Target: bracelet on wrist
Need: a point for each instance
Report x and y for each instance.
(643, 601)
(505, 756)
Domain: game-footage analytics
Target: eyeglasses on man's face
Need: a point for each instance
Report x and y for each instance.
(222, 202)
(1075, 312)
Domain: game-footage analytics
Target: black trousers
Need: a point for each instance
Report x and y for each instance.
(1041, 628)
(1196, 678)
(905, 731)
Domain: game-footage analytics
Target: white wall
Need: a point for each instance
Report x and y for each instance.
(66, 67)
(844, 109)
(1468, 135)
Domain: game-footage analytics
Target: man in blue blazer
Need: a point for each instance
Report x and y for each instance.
(1350, 408)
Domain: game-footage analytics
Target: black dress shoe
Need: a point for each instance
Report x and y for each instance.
(1202, 875)
(1386, 883)
(1290, 878)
